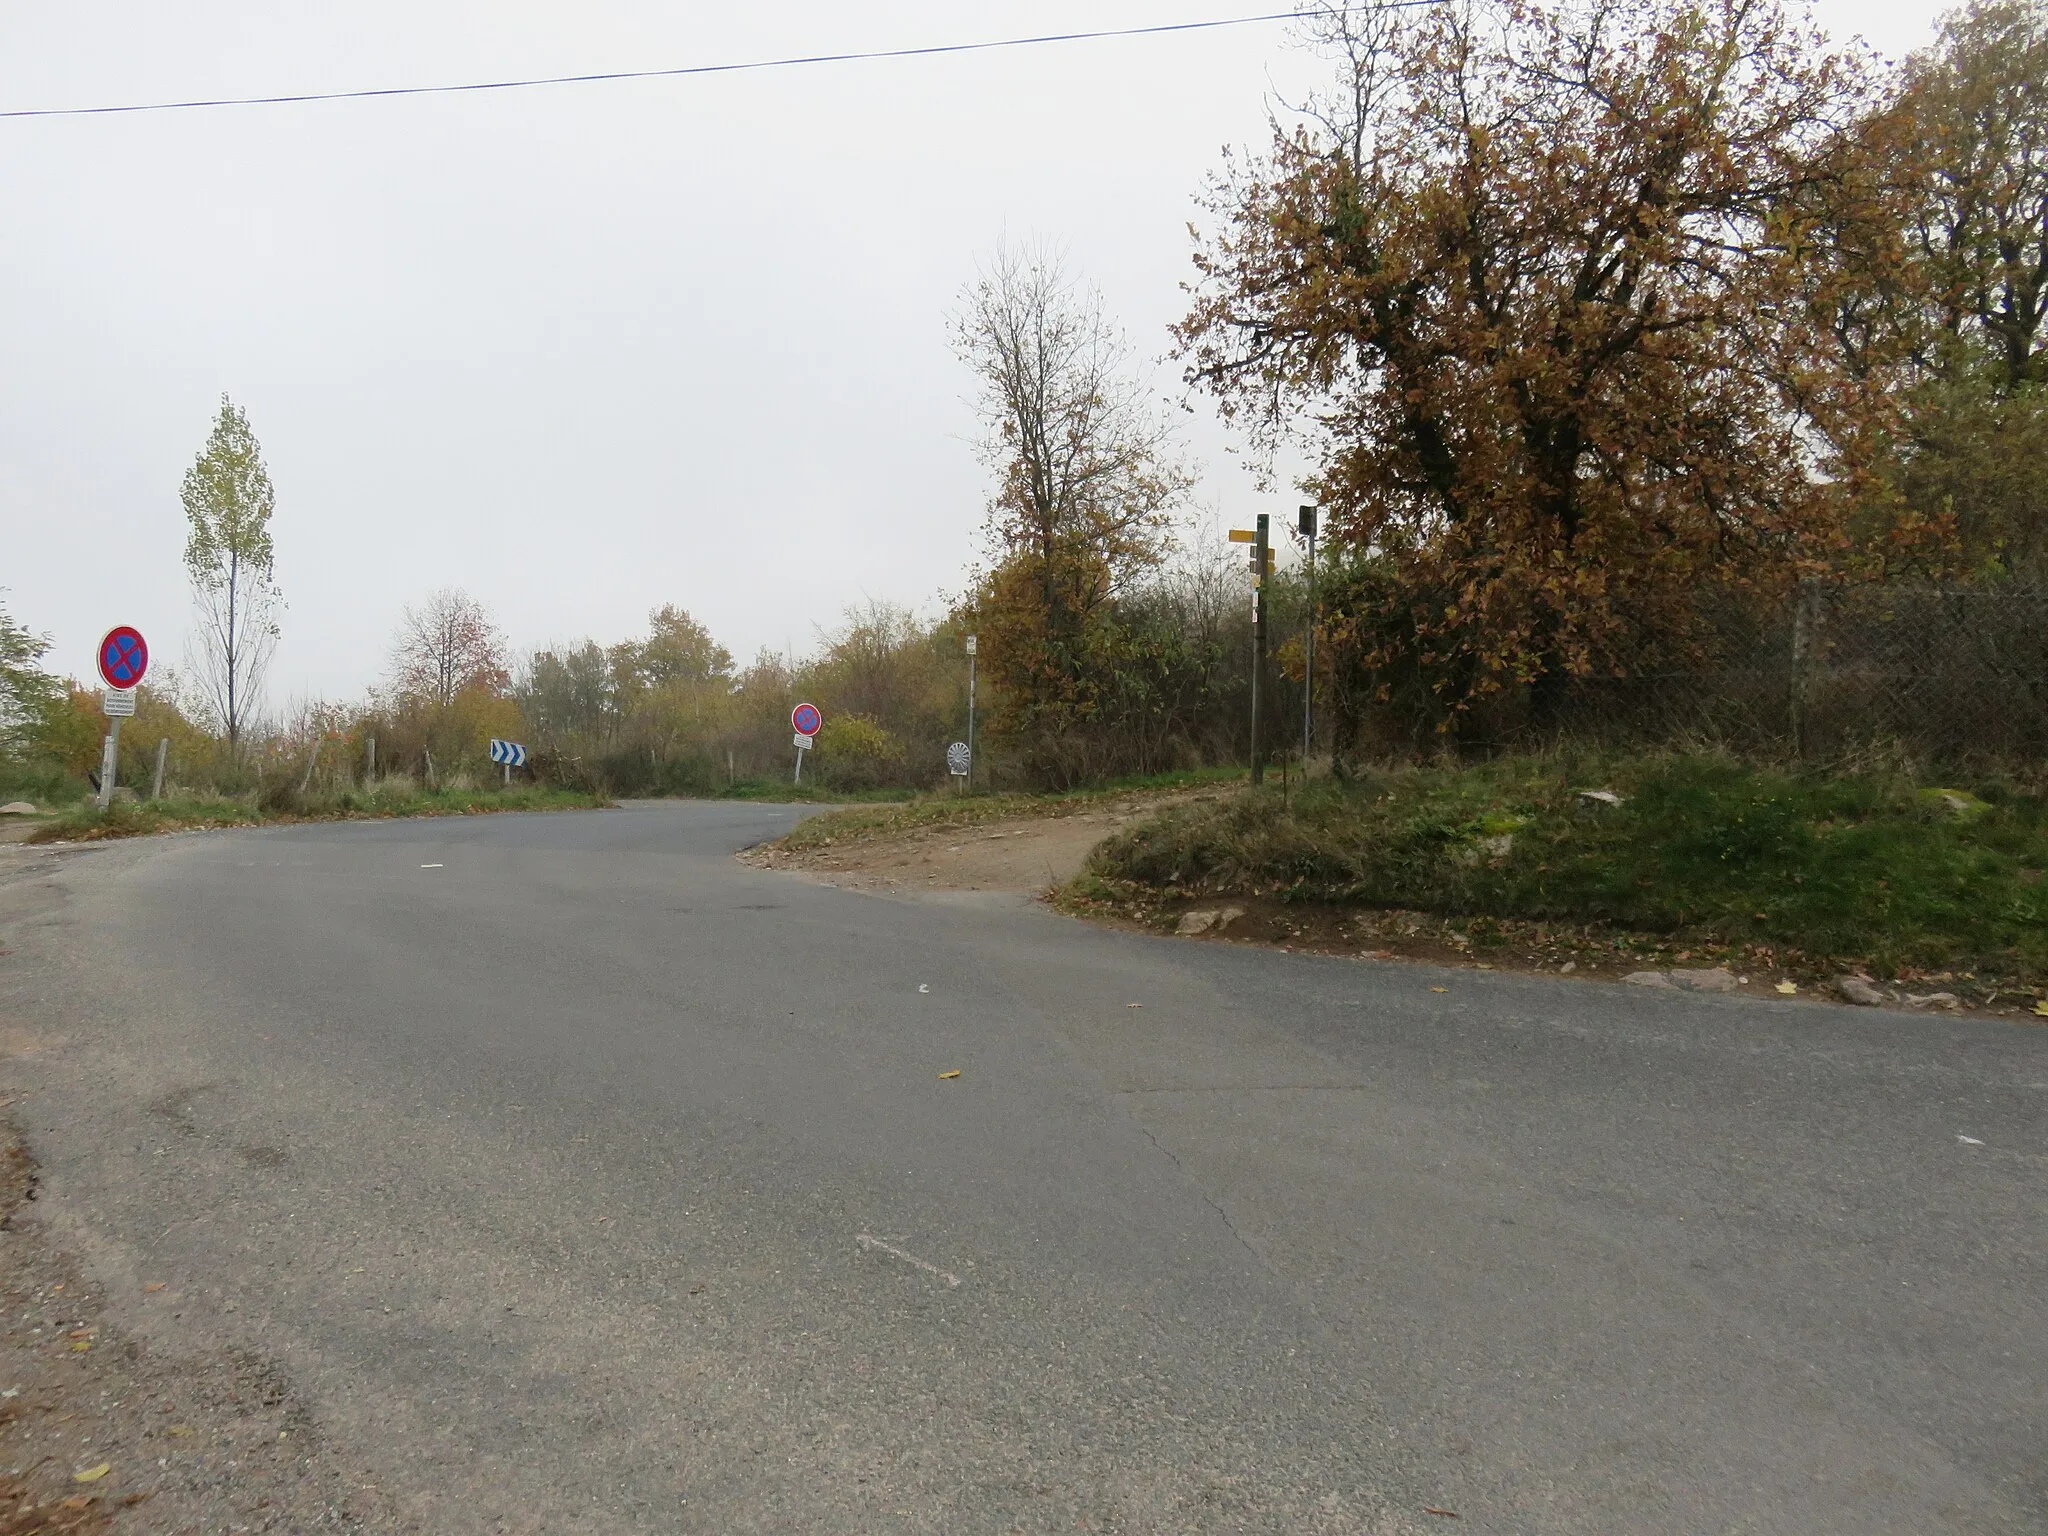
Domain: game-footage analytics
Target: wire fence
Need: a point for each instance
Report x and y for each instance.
(1944, 673)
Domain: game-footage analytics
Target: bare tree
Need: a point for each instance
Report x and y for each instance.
(445, 645)
(228, 501)
(1086, 477)
(1085, 485)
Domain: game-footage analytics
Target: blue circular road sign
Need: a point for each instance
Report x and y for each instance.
(124, 656)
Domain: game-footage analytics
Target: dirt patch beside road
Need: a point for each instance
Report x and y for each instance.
(1030, 855)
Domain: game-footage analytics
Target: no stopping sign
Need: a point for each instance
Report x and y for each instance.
(124, 656)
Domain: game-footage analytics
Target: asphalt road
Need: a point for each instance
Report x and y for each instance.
(580, 1179)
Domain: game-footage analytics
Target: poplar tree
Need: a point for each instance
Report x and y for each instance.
(228, 554)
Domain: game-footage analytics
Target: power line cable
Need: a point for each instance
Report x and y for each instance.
(866, 56)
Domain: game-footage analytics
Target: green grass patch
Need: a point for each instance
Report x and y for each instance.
(1872, 869)
(782, 792)
(944, 809)
(40, 784)
(139, 818)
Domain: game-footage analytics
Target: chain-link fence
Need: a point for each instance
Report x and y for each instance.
(1945, 673)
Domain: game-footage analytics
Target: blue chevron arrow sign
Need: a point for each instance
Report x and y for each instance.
(510, 753)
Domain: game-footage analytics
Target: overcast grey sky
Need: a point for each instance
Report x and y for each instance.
(580, 350)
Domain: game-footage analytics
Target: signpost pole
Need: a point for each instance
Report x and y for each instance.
(123, 661)
(110, 752)
(973, 645)
(1260, 544)
(511, 754)
(806, 721)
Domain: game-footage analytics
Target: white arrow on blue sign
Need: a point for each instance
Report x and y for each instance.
(510, 753)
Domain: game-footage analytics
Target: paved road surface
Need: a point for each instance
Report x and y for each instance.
(580, 1179)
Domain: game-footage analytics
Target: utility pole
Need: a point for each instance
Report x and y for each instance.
(1307, 528)
(1260, 539)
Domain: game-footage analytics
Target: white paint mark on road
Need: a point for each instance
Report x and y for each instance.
(1968, 1141)
(433, 866)
(876, 1245)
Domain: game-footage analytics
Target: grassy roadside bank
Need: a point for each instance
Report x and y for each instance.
(1698, 859)
(140, 818)
(860, 823)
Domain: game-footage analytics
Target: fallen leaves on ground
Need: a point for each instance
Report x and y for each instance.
(22, 1515)
(954, 1073)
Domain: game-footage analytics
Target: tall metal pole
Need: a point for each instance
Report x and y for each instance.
(973, 644)
(1308, 645)
(1260, 560)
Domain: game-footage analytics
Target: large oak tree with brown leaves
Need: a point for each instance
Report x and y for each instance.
(1540, 282)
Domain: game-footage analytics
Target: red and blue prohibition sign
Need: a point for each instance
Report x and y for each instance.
(124, 656)
(806, 719)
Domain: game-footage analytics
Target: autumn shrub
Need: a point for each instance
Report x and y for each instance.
(858, 752)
